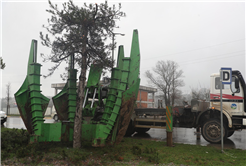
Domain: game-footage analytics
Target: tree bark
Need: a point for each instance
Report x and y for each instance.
(8, 108)
(80, 99)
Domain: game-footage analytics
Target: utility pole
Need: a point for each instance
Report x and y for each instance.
(2, 66)
(173, 89)
(113, 46)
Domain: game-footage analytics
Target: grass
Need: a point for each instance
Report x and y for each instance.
(129, 152)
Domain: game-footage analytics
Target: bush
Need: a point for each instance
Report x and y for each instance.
(12, 139)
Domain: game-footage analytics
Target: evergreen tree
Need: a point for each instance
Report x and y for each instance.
(81, 32)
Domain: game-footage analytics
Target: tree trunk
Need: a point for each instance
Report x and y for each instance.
(165, 98)
(80, 99)
(168, 97)
(8, 112)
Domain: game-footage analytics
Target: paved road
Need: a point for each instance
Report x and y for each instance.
(17, 122)
(180, 135)
(188, 136)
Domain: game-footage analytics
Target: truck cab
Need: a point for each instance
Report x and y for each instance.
(232, 96)
(233, 105)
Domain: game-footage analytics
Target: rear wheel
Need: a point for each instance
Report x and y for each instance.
(211, 131)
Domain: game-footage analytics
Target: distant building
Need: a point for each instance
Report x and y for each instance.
(146, 95)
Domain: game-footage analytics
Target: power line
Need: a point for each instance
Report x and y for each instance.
(210, 59)
(193, 49)
(242, 51)
(201, 60)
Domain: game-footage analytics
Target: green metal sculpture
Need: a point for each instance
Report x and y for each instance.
(106, 109)
(65, 101)
(31, 103)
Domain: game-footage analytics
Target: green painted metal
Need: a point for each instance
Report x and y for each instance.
(93, 101)
(31, 103)
(60, 103)
(72, 94)
(124, 84)
(65, 101)
(130, 94)
(135, 60)
(92, 91)
(106, 110)
(115, 78)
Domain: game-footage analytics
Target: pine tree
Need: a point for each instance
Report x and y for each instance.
(81, 32)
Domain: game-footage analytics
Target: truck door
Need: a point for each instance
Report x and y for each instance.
(232, 97)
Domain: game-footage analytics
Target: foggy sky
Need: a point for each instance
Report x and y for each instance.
(201, 37)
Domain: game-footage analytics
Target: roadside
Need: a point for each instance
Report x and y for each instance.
(128, 152)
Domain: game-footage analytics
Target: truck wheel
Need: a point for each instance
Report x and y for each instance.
(142, 130)
(211, 131)
(230, 133)
(55, 117)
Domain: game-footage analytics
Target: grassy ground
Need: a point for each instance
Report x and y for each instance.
(129, 152)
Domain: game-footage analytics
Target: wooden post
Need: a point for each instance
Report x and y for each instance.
(169, 139)
(198, 133)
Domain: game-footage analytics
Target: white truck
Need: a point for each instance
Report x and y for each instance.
(234, 108)
(201, 114)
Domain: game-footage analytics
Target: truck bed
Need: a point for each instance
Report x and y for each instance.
(150, 111)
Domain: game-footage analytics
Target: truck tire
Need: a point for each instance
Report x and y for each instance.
(55, 117)
(211, 131)
(142, 130)
(230, 133)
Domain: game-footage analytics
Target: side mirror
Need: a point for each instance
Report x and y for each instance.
(236, 83)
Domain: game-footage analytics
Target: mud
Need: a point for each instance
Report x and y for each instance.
(27, 119)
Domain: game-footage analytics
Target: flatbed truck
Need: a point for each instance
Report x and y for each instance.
(201, 114)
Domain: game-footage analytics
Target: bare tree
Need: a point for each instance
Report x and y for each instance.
(167, 79)
(200, 94)
(8, 86)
